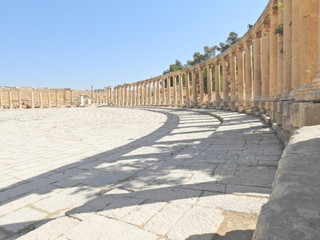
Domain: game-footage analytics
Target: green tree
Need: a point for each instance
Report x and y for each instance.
(232, 38)
(174, 67)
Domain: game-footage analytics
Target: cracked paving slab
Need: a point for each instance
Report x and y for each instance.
(133, 173)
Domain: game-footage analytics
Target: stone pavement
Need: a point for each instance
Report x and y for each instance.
(117, 173)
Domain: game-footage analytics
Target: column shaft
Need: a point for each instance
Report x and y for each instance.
(201, 87)
(241, 74)
(225, 79)
(280, 52)
(209, 83)
(273, 54)
(175, 93)
(187, 75)
(181, 101)
(248, 73)
(232, 77)
(217, 81)
(257, 67)
(265, 62)
(169, 90)
(194, 88)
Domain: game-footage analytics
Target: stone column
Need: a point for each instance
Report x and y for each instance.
(40, 99)
(158, 92)
(71, 98)
(257, 67)
(265, 61)
(181, 102)
(32, 99)
(150, 92)
(175, 92)
(248, 75)
(49, 99)
(209, 83)
(92, 94)
(287, 46)
(154, 99)
(187, 75)
(280, 51)
(169, 90)
(1, 100)
(309, 17)
(273, 53)
(295, 50)
(10, 99)
(57, 98)
(232, 79)
(217, 81)
(164, 99)
(19, 99)
(225, 80)
(194, 88)
(201, 87)
(145, 93)
(241, 74)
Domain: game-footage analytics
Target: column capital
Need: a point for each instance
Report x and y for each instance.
(258, 34)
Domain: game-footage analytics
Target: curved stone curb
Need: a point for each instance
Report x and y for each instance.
(292, 211)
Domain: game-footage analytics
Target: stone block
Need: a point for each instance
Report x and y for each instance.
(309, 114)
(294, 115)
(286, 108)
(279, 106)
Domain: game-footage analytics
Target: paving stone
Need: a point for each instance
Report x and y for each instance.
(102, 228)
(150, 170)
(232, 202)
(166, 219)
(197, 220)
(16, 221)
(51, 230)
(143, 213)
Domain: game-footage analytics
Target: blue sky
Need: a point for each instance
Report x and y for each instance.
(79, 43)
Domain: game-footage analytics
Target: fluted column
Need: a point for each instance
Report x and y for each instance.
(180, 76)
(273, 53)
(257, 67)
(280, 51)
(169, 90)
(187, 76)
(138, 94)
(209, 83)
(241, 74)
(194, 88)
(217, 81)
(175, 92)
(10, 99)
(232, 77)
(19, 99)
(248, 73)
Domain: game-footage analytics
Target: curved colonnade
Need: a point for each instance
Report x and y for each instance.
(264, 73)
